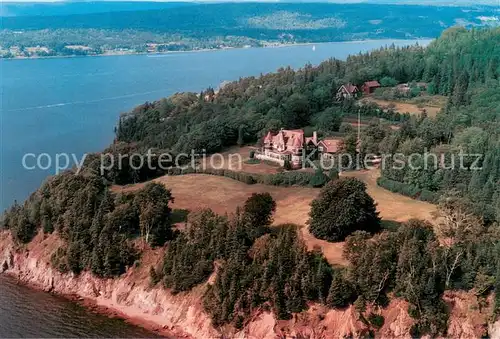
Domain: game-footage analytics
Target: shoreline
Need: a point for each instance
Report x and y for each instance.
(94, 306)
(213, 49)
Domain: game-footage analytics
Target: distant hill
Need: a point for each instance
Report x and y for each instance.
(176, 26)
(81, 7)
(254, 19)
(85, 7)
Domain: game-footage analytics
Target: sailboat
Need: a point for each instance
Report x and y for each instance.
(314, 48)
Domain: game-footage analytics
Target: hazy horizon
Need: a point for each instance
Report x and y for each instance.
(403, 2)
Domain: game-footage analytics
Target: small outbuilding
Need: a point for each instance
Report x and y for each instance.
(370, 86)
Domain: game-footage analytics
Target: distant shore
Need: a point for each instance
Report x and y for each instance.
(281, 45)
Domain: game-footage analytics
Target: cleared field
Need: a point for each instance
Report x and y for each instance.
(432, 107)
(392, 206)
(223, 195)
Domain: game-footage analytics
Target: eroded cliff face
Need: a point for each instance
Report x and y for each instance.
(129, 296)
(182, 315)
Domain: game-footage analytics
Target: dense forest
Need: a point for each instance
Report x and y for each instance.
(263, 267)
(201, 26)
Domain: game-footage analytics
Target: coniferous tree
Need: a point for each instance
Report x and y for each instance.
(154, 213)
(340, 293)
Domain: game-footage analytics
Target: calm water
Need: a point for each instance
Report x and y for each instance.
(29, 313)
(71, 106)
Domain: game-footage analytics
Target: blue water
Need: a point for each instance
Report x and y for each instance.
(28, 313)
(71, 105)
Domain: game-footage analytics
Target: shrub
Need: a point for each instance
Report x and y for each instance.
(278, 179)
(252, 154)
(407, 189)
(333, 174)
(153, 276)
(287, 165)
(58, 260)
(252, 161)
(376, 320)
(428, 196)
(319, 179)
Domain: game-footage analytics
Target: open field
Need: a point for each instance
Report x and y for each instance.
(393, 206)
(432, 105)
(223, 195)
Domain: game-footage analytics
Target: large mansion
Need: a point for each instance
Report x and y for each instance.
(292, 145)
(287, 145)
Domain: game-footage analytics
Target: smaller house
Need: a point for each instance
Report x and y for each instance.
(370, 86)
(329, 147)
(347, 91)
(403, 88)
(422, 85)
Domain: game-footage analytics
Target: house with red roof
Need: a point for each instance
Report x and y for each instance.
(287, 145)
(329, 147)
(347, 91)
(370, 86)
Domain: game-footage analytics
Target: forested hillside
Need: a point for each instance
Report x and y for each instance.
(260, 266)
(229, 25)
(463, 65)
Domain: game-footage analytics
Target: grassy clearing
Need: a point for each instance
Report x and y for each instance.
(197, 191)
(392, 206)
(431, 104)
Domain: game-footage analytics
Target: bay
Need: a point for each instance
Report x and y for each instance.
(27, 313)
(71, 105)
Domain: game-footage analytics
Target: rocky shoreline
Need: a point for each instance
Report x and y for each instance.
(182, 316)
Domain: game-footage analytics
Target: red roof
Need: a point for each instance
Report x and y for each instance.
(311, 139)
(350, 88)
(289, 138)
(331, 145)
(373, 83)
(297, 142)
(268, 137)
